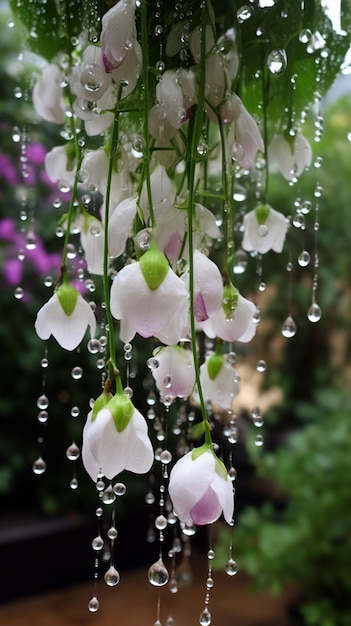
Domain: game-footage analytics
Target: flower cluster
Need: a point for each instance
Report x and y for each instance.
(151, 130)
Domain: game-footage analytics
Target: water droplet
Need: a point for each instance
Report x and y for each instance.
(112, 533)
(304, 258)
(31, 241)
(205, 617)
(108, 495)
(158, 574)
(210, 555)
(97, 544)
(128, 391)
(143, 240)
(209, 583)
(202, 148)
(259, 441)
(231, 567)
(18, 92)
(18, 293)
(232, 474)
(94, 346)
(93, 605)
(289, 328)
(314, 313)
(43, 417)
(160, 66)
(277, 61)
(240, 262)
(262, 230)
(166, 457)
(152, 363)
(92, 77)
(149, 498)
(119, 489)
(43, 402)
(73, 452)
(261, 366)
(39, 466)
(305, 35)
(244, 13)
(75, 411)
(74, 484)
(112, 577)
(77, 373)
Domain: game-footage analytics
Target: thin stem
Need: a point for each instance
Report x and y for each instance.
(196, 133)
(145, 48)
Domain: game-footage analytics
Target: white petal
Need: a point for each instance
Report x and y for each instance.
(224, 490)
(68, 330)
(140, 453)
(119, 226)
(189, 481)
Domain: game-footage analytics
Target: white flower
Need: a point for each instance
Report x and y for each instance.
(128, 73)
(119, 226)
(169, 98)
(66, 316)
(97, 116)
(244, 138)
(92, 241)
(94, 169)
(59, 168)
(235, 323)
(89, 79)
(290, 155)
(163, 192)
(48, 95)
(219, 381)
(173, 372)
(115, 438)
(118, 33)
(159, 311)
(208, 286)
(264, 229)
(200, 489)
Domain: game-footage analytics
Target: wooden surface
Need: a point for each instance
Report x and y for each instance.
(133, 602)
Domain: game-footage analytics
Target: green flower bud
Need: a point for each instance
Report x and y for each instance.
(100, 403)
(154, 267)
(67, 296)
(230, 300)
(262, 211)
(121, 409)
(214, 365)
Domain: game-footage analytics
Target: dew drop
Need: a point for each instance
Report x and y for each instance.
(94, 346)
(289, 328)
(73, 452)
(128, 391)
(112, 577)
(97, 544)
(108, 495)
(75, 411)
(39, 466)
(43, 417)
(43, 402)
(232, 474)
(262, 230)
(166, 457)
(112, 533)
(210, 555)
(74, 484)
(304, 258)
(161, 522)
(259, 441)
(18, 293)
(261, 366)
(93, 605)
(277, 61)
(305, 35)
(314, 313)
(91, 77)
(240, 262)
(231, 568)
(205, 617)
(244, 13)
(152, 363)
(77, 373)
(119, 489)
(158, 574)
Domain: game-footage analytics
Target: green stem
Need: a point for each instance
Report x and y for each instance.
(196, 133)
(145, 48)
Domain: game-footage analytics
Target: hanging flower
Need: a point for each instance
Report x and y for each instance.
(264, 230)
(115, 438)
(92, 241)
(244, 138)
(172, 368)
(60, 167)
(118, 33)
(200, 489)
(291, 155)
(219, 381)
(48, 95)
(235, 320)
(66, 316)
(89, 80)
(119, 226)
(94, 169)
(150, 299)
(208, 286)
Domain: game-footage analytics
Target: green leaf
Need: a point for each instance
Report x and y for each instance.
(67, 296)
(50, 26)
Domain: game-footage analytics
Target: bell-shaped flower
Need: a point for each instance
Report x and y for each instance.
(169, 96)
(94, 170)
(150, 299)
(92, 241)
(208, 286)
(264, 229)
(172, 368)
(119, 226)
(47, 95)
(66, 316)
(220, 382)
(60, 167)
(118, 33)
(291, 155)
(200, 489)
(244, 137)
(163, 192)
(235, 320)
(127, 74)
(89, 80)
(97, 116)
(115, 438)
